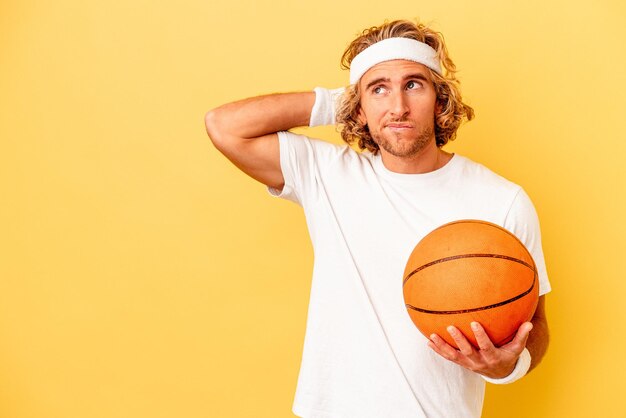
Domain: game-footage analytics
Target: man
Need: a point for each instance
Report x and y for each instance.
(366, 211)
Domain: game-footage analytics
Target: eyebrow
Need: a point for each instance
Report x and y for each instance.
(376, 81)
(417, 76)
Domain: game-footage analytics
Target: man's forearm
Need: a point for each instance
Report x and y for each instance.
(539, 337)
(258, 116)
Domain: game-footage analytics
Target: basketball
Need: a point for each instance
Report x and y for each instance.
(466, 271)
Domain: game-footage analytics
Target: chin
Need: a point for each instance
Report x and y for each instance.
(403, 148)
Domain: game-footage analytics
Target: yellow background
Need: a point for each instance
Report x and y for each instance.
(141, 275)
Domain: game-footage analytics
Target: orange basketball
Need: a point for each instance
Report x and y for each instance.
(468, 271)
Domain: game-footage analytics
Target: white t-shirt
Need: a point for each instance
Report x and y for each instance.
(363, 357)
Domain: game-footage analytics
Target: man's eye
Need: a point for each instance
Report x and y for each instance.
(411, 85)
(379, 90)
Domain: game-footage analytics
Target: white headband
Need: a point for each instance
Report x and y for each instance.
(393, 49)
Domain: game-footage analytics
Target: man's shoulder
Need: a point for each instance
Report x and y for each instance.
(478, 173)
(318, 148)
(290, 136)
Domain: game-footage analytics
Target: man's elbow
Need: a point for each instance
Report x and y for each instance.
(213, 127)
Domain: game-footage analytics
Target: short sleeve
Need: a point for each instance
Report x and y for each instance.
(301, 161)
(522, 220)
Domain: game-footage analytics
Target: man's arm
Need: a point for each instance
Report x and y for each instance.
(539, 338)
(245, 131)
(497, 362)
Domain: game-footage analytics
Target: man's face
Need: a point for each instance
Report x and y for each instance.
(398, 102)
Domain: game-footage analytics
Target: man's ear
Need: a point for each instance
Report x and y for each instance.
(362, 118)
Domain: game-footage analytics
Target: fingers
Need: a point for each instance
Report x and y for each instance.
(464, 355)
(465, 347)
(485, 359)
(483, 340)
(441, 347)
(521, 337)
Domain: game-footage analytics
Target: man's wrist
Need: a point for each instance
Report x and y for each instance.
(521, 368)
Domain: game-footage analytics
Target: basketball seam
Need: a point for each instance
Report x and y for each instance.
(481, 308)
(457, 257)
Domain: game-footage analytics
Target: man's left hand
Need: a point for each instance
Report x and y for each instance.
(488, 360)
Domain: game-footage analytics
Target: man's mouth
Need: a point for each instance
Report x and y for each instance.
(399, 125)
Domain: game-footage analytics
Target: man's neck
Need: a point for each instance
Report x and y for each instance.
(429, 159)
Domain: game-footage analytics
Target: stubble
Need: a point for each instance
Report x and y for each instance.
(403, 147)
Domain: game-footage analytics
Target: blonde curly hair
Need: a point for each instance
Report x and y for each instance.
(451, 109)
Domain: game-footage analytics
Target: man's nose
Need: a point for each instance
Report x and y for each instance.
(399, 106)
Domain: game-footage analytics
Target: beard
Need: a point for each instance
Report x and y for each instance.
(400, 146)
